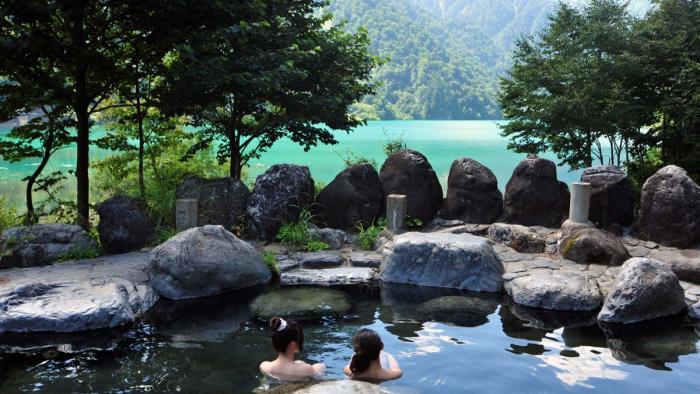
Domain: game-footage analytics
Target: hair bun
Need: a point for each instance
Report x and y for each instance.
(275, 323)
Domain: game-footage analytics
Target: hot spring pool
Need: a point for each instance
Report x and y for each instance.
(477, 343)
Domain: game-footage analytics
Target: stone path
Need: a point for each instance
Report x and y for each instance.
(329, 268)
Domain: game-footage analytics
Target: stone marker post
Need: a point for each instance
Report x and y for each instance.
(185, 214)
(396, 213)
(580, 202)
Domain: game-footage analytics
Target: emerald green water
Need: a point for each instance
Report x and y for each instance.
(440, 141)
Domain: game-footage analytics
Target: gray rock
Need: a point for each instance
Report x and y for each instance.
(469, 311)
(332, 237)
(322, 259)
(220, 201)
(409, 173)
(301, 302)
(460, 261)
(534, 196)
(612, 196)
(30, 246)
(644, 289)
(205, 261)
(694, 310)
(67, 306)
(365, 259)
(593, 246)
(340, 276)
(344, 387)
(355, 195)
(520, 238)
(124, 225)
(279, 195)
(550, 319)
(669, 211)
(472, 193)
(560, 290)
(684, 263)
(474, 229)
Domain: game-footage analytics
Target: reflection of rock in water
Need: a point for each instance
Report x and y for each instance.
(533, 349)
(516, 328)
(584, 336)
(549, 319)
(311, 302)
(466, 311)
(32, 343)
(210, 319)
(652, 344)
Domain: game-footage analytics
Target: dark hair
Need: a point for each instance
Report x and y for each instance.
(367, 346)
(292, 333)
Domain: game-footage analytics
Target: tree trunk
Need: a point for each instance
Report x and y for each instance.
(235, 166)
(81, 103)
(139, 117)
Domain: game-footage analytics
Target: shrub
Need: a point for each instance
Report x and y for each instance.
(368, 234)
(393, 144)
(352, 159)
(162, 234)
(8, 214)
(79, 253)
(271, 262)
(296, 234)
(318, 186)
(316, 246)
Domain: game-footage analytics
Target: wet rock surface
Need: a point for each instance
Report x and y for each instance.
(533, 195)
(520, 238)
(409, 173)
(669, 211)
(644, 289)
(42, 244)
(279, 194)
(220, 201)
(461, 261)
(355, 195)
(339, 276)
(555, 289)
(472, 193)
(322, 259)
(301, 302)
(124, 225)
(205, 261)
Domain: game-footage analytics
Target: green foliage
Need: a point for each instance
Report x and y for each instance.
(316, 246)
(393, 144)
(318, 186)
(162, 234)
(79, 253)
(9, 216)
(368, 234)
(351, 159)
(296, 234)
(271, 262)
(164, 171)
(413, 223)
(641, 169)
(261, 75)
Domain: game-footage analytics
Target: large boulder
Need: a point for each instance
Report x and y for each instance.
(461, 261)
(279, 194)
(553, 289)
(534, 196)
(355, 195)
(30, 246)
(472, 193)
(71, 305)
(612, 196)
(593, 246)
(644, 289)
(520, 238)
(205, 261)
(669, 212)
(219, 201)
(409, 173)
(124, 226)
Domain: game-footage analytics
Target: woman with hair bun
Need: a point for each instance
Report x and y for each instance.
(288, 340)
(370, 361)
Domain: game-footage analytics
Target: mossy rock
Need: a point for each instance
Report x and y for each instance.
(308, 302)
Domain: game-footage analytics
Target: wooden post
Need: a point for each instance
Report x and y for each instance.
(186, 215)
(396, 213)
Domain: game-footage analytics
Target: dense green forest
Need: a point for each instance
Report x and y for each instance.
(445, 56)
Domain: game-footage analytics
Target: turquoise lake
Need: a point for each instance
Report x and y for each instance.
(440, 141)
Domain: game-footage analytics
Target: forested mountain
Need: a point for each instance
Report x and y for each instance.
(445, 55)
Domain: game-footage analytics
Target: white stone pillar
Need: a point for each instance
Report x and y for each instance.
(396, 213)
(580, 202)
(186, 215)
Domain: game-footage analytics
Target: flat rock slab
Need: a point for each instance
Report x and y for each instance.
(70, 306)
(80, 295)
(301, 302)
(554, 289)
(365, 259)
(684, 263)
(344, 387)
(323, 259)
(329, 277)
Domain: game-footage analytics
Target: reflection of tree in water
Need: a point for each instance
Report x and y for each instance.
(652, 344)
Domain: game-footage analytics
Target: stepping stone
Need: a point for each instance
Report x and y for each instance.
(323, 259)
(365, 259)
(329, 277)
(560, 290)
(301, 302)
